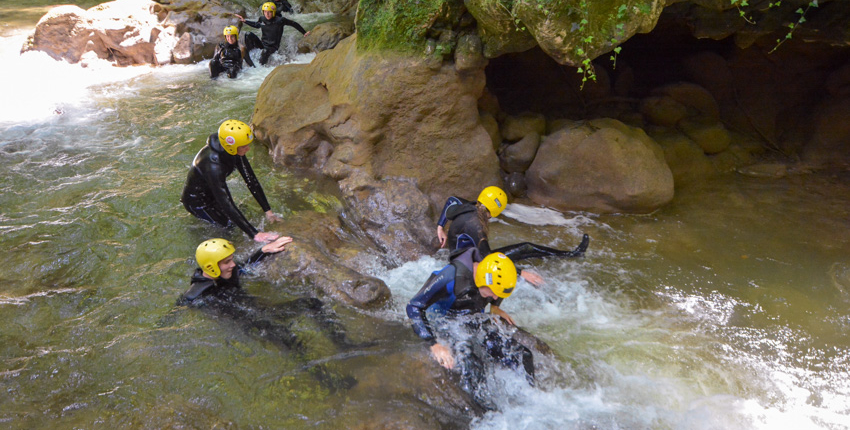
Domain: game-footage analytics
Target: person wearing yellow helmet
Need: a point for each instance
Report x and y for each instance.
(464, 287)
(271, 26)
(206, 194)
(228, 55)
(470, 227)
(218, 273)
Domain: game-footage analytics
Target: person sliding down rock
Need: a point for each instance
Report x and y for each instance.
(206, 195)
(228, 55)
(469, 227)
(271, 27)
(458, 292)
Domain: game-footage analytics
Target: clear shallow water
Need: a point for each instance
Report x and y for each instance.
(726, 310)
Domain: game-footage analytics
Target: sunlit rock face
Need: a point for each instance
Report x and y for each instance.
(399, 134)
(133, 32)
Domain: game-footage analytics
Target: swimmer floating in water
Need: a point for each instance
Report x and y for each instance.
(228, 55)
(215, 287)
(206, 195)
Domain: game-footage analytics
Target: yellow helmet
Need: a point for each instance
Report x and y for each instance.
(494, 199)
(233, 134)
(269, 6)
(211, 252)
(497, 272)
(231, 30)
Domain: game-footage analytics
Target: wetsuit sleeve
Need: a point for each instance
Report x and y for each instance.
(293, 24)
(433, 290)
(254, 24)
(218, 186)
(255, 258)
(217, 56)
(253, 184)
(451, 201)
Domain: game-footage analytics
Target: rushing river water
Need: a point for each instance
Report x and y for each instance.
(727, 309)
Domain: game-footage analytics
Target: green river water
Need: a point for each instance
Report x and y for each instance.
(727, 309)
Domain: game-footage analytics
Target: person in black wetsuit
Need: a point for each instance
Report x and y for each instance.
(271, 26)
(228, 55)
(206, 195)
(282, 6)
(462, 289)
(469, 227)
(215, 288)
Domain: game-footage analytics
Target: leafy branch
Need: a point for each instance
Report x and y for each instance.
(793, 26)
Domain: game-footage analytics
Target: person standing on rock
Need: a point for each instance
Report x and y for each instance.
(463, 289)
(469, 227)
(228, 55)
(206, 194)
(272, 30)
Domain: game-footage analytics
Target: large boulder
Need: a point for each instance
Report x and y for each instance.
(601, 166)
(132, 32)
(325, 36)
(319, 258)
(380, 116)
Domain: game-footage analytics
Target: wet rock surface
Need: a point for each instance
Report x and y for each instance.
(133, 32)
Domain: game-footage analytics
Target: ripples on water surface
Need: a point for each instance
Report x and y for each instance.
(727, 309)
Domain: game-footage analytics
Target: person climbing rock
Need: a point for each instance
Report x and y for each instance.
(206, 194)
(228, 55)
(271, 26)
(459, 291)
(470, 227)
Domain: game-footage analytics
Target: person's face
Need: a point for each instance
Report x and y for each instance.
(230, 38)
(487, 293)
(226, 266)
(268, 14)
(242, 150)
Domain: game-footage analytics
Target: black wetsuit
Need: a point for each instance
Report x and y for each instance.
(281, 7)
(206, 194)
(279, 324)
(272, 31)
(451, 292)
(466, 230)
(228, 59)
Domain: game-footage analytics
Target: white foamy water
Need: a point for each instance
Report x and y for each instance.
(623, 367)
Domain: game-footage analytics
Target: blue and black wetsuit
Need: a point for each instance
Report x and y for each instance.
(228, 59)
(272, 31)
(206, 195)
(466, 229)
(451, 292)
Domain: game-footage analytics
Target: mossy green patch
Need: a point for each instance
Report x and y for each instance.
(403, 25)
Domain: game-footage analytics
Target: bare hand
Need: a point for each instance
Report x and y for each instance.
(306, 34)
(266, 236)
(532, 277)
(240, 17)
(443, 355)
(441, 234)
(495, 310)
(272, 217)
(277, 246)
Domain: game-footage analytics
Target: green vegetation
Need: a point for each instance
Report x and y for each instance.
(405, 25)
